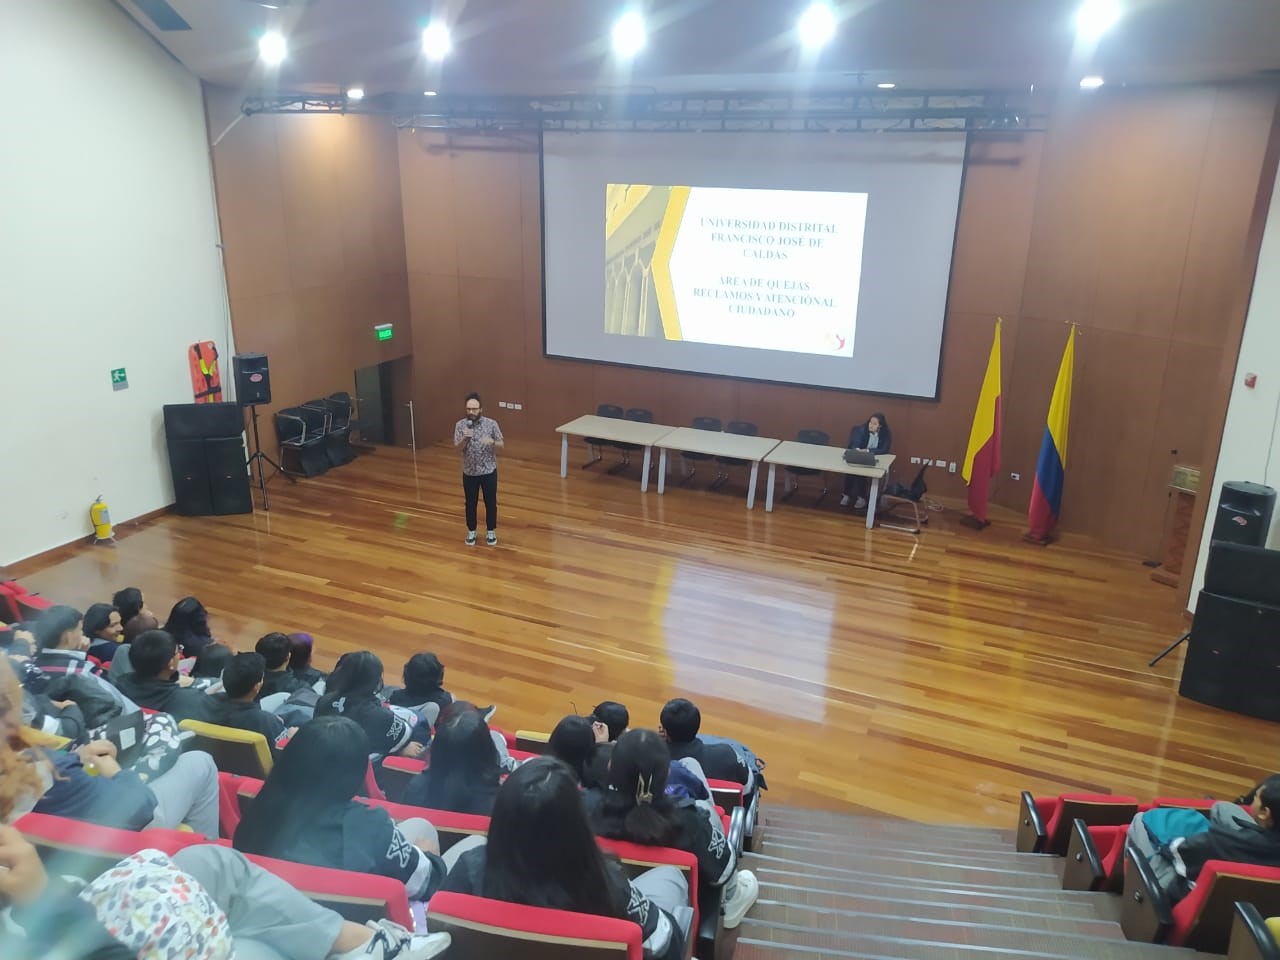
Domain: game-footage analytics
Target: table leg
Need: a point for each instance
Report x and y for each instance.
(768, 491)
(662, 470)
(751, 487)
(644, 471)
(564, 455)
(871, 503)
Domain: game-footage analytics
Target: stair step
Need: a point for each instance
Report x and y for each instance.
(849, 914)
(862, 847)
(906, 868)
(751, 949)
(975, 841)
(921, 940)
(909, 898)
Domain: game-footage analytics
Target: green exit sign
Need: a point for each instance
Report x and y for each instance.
(119, 379)
(383, 331)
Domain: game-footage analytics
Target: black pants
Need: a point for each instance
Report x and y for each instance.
(856, 486)
(472, 486)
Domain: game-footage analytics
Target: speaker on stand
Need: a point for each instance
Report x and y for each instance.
(253, 386)
(1244, 513)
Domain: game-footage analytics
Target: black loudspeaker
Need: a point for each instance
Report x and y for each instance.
(253, 379)
(1244, 513)
(195, 421)
(206, 458)
(228, 478)
(1233, 659)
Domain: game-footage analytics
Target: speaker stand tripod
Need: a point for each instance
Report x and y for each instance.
(1170, 648)
(260, 458)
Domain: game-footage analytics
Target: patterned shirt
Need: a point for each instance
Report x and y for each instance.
(478, 458)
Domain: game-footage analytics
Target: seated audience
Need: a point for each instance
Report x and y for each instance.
(105, 630)
(212, 900)
(636, 808)
(18, 640)
(614, 716)
(1178, 843)
(130, 603)
(464, 768)
(680, 722)
(155, 683)
(423, 678)
(90, 785)
(875, 437)
(541, 852)
(134, 627)
(188, 624)
(301, 646)
(352, 692)
(275, 649)
(72, 675)
(573, 743)
(237, 706)
(306, 812)
(213, 659)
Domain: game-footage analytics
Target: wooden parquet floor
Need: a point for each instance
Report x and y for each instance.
(928, 677)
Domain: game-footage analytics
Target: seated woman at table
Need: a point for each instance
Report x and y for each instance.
(874, 436)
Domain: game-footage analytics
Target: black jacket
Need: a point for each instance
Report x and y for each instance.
(184, 703)
(386, 731)
(719, 761)
(247, 716)
(860, 436)
(281, 681)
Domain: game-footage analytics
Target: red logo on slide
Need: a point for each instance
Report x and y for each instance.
(839, 342)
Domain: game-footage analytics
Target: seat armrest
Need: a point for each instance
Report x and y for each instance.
(1032, 835)
(1146, 915)
(737, 835)
(1251, 939)
(1084, 869)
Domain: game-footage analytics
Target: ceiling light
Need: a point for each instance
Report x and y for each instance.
(817, 26)
(428, 93)
(436, 42)
(355, 93)
(272, 48)
(629, 34)
(1096, 17)
(886, 85)
(1091, 83)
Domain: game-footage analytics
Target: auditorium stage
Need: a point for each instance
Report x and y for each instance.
(929, 677)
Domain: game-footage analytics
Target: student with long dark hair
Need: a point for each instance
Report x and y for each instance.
(635, 808)
(573, 742)
(541, 853)
(423, 685)
(130, 602)
(465, 769)
(874, 436)
(105, 630)
(306, 812)
(351, 691)
(188, 624)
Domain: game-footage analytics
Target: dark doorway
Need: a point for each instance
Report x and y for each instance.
(382, 397)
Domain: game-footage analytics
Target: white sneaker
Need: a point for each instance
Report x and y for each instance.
(491, 538)
(844, 501)
(390, 940)
(471, 538)
(860, 503)
(746, 888)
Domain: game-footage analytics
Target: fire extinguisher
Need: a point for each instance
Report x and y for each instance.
(101, 519)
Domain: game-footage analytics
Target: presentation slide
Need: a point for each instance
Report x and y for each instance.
(815, 259)
(764, 269)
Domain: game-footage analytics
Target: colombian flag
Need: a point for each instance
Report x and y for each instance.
(982, 460)
(1046, 495)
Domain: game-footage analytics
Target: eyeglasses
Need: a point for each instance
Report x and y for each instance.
(473, 409)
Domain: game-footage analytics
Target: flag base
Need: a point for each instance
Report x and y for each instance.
(974, 523)
(1044, 541)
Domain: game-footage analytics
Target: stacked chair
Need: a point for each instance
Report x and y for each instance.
(316, 435)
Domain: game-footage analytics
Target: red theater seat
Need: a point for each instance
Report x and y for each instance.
(1044, 824)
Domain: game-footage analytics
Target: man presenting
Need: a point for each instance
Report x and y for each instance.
(480, 437)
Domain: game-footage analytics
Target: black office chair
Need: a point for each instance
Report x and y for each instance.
(819, 438)
(595, 446)
(640, 415)
(742, 428)
(301, 432)
(338, 441)
(699, 423)
(897, 497)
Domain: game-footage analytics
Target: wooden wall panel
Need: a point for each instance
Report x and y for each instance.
(1128, 218)
(313, 226)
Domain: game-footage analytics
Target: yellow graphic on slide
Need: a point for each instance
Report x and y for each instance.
(734, 267)
(641, 224)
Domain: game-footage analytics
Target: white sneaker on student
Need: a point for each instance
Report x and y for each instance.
(390, 940)
(860, 503)
(844, 501)
(491, 538)
(471, 538)
(746, 888)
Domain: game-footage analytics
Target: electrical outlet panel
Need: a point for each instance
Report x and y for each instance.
(915, 459)
(502, 404)
(951, 467)
(1015, 476)
(518, 406)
